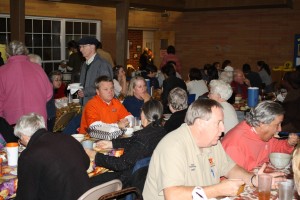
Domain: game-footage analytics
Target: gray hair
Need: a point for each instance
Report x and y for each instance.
(220, 87)
(265, 112)
(226, 76)
(35, 58)
(153, 111)
(16, 48)
(201, 108)
(132, 84)
(29, 124)
(178, 98)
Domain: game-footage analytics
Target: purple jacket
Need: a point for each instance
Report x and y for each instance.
(24, 88)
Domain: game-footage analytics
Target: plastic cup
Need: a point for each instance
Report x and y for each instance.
(264, 186)
(12, 149)
(253, 96)
(88, 144)
(129, 132)
(286, 190)
(137, 123)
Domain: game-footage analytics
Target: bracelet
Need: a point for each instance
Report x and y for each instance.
(251, 180)
(198, 194)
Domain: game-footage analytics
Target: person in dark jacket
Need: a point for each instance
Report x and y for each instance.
(253, 77)
(291, 81)
(139, 146)
(178, 105)
(53, 166)
(75, 60)
(170, 82)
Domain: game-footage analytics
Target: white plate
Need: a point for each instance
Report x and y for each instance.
(15, 172)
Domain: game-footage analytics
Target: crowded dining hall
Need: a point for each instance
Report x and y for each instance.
(154, 100)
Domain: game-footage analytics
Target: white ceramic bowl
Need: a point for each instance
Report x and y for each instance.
(78, 137)
(238, 98)
(75, 100)
(280, 160)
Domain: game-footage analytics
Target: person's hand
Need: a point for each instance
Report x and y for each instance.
(276, 177)
(90, 153)
(123, 123)
(80, 93)
(146, 96)
(293, 139)
(122, 78)
(231, 187)
(247, 82)
(104, 144)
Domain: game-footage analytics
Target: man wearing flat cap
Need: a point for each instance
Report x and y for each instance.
(92, 68)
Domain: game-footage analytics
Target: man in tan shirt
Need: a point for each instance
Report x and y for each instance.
(105, 55)
(188, 162)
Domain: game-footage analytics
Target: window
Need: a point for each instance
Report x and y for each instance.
(48, 37)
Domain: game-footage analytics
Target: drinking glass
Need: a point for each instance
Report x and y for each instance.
(264, 186)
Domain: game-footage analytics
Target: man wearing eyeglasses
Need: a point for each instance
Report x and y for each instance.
(92, 68)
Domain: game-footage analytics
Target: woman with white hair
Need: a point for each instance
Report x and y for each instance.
(35, 58)
(178, 105)
(53, 166)
(24, 86)
(221, 92)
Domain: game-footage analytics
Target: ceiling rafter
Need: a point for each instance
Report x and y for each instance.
(187, 5)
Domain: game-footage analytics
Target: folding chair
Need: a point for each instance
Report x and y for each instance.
(122, 193)
(100, 190)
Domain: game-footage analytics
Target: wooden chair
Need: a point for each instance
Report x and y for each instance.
(100, 190)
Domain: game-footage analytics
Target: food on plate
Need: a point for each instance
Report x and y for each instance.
(241, 189)
(98, 170)
(243, 108)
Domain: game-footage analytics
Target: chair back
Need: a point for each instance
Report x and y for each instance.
(191, 98)
(139, 174)
(141, 163)
(63, 121)
(100, 190)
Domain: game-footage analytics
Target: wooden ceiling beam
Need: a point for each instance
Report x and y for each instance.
(187, 5)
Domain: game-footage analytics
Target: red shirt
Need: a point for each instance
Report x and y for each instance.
(60, 92)
(241, 89)
(246, 148)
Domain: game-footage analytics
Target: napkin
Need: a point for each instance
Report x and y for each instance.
(74, 87)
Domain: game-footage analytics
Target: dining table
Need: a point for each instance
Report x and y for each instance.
(251, 193)
(8, 179)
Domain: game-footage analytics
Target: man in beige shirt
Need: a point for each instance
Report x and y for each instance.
(105, 55)
(188, 162)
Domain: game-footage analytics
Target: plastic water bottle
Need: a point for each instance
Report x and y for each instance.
(70, 98)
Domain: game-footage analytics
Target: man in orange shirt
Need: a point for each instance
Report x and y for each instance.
(104, 107)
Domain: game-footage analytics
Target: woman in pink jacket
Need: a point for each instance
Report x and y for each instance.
(24, 86)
